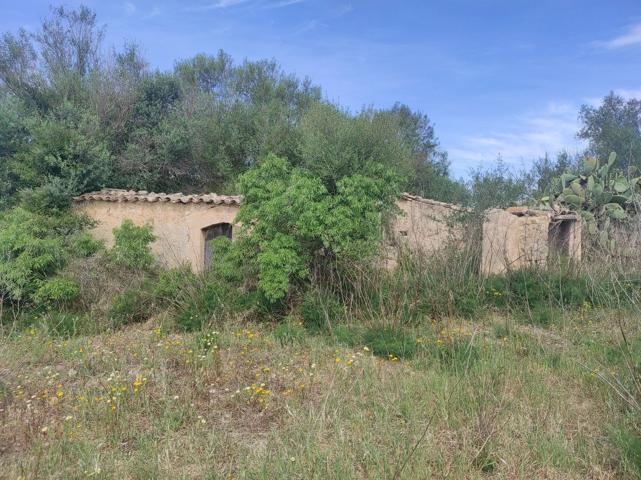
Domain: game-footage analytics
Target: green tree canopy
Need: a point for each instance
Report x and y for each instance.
(613, 126)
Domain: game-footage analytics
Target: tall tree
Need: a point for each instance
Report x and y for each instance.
(613, 126)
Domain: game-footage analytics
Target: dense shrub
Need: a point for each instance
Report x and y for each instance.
(84, 245)
(33, 248)
(132, 246)
(131, 306)
(204, 305)
(171, 284)
(293, 216)
(56, 291)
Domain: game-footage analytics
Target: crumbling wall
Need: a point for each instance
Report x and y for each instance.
(423, 225)
(564, 236)
(514, 239)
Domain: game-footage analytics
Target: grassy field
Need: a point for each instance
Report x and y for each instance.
(493, 398)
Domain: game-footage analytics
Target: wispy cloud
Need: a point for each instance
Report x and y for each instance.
(155, 11)
(308, 26)
(343, 9)
(218, 5)
(283, 3)
(525, 138)
(222, 4)
(630, 38)
(130, 8)
(629, 93)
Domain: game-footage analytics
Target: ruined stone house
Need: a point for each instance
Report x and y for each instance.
(185, 224)
(520, 237)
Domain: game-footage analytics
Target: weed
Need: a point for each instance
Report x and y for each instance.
(390, 342)
(290, 332)
(130, 306)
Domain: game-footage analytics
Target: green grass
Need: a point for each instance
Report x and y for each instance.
(456, 399)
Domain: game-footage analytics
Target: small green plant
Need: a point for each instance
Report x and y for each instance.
(62, 323)
(350, 335)
(458, 355)
(203, 305)
(629, 443)
(84, 245)
(545, 315)
(130, 306)
(132, 246)
(290, 332)
(391, 342)
(207, 341)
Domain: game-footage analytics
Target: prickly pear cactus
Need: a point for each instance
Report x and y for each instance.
(600, 195)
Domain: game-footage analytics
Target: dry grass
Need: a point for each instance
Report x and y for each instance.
(143, 403)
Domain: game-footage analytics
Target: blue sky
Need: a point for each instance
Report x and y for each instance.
(495, 76)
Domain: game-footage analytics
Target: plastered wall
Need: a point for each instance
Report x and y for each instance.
(178, 227)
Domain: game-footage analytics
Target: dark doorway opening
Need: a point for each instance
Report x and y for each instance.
(212, 232)
(559, 235)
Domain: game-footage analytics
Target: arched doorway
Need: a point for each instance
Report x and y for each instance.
(210, 233)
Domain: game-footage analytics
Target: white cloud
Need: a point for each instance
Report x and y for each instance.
(130, 8)
(523, 139)
(628, 39)
(629, 94)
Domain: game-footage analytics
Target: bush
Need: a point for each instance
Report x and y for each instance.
(203, 305)
(57, 291)
(130, 306)
(33, 248)
(292, 216)
(132, 246)
(84, 245)
(171, 285)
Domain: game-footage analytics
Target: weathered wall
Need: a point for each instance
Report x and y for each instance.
(426, 225)
(511, 241)
(422, 226)
(178, 226)
(512, 238)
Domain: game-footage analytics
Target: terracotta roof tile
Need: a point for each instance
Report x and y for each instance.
(415, 198)
(119, 195)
